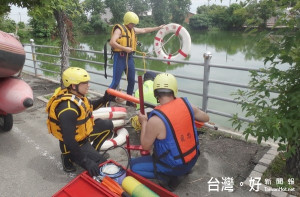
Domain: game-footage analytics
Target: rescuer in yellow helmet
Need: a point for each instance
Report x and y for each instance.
(70, 120)
(123, 43)
(170, 129)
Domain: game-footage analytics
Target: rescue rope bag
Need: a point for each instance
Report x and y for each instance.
(185, 42)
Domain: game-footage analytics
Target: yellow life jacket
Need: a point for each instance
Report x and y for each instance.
(128, 38)
(85, 120)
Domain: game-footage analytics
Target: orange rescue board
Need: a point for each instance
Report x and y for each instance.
(128, 97)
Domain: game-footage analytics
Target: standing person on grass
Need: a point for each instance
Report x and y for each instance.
(170, 129)
(70, 121)
(123, 43)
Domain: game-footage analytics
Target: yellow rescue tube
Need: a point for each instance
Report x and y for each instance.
(136, 189)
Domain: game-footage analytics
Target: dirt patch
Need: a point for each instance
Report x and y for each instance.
(237, 157)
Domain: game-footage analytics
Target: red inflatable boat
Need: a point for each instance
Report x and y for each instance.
(12, 55)
(15, 94)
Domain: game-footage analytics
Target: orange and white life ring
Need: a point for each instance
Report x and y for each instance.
(118, 123)
(111, 109)
(120, 139)
(185, 42)
(110, 113)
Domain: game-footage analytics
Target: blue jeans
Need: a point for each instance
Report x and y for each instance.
(144, 167)
(119, 67)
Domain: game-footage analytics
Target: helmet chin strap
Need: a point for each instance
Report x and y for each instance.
(77, 90)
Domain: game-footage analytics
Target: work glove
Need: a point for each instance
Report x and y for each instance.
(106, 97)
(92, 167)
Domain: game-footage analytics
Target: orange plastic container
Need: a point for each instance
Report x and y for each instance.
(84, 185)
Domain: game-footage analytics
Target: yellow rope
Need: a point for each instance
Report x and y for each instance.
(144, 60)
(144, 54)
(135, 123)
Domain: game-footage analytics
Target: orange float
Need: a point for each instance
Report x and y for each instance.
(130, 98)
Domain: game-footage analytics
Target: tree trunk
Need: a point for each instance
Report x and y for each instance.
(293, 164)
(60, 18)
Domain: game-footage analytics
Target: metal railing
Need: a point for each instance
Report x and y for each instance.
(206, 96)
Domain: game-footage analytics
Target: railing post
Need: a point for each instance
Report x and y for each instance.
(33, 56)
(207, 57)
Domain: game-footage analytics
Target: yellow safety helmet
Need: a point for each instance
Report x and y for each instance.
(165, 82)
(130, 17)
(75, 75)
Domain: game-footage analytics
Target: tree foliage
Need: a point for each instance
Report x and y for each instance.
(179, 10)
(94, 7)
(200, 22)
(97, 24)
(63, 11)
(228, 18)
(277, 116)
(259, 13)
(45, 27)
(92, 24)
(236, 16)
(118, 9)
(164, 11)
(160, 11)
(7, 25)
(6, 4)
(140, 7)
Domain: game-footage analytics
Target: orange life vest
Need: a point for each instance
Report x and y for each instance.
(181, 144)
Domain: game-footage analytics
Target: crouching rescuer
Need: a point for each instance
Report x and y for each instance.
(70, 121)
(170, 129)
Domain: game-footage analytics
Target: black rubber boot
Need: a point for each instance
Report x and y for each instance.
(67, 164)
(170, 183)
